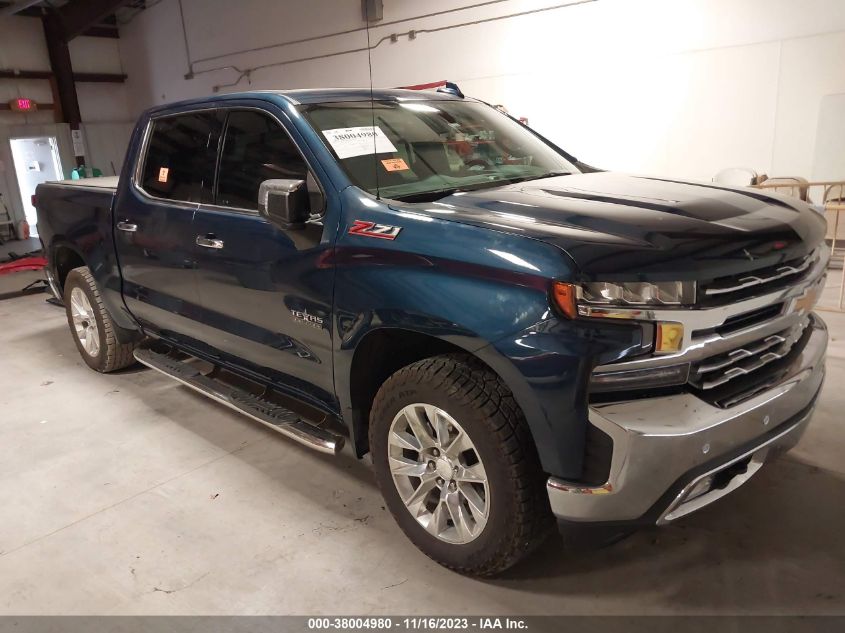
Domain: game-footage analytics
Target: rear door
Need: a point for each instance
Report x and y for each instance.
(153, 216)
(266, 292)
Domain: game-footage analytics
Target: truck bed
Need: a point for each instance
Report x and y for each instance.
(75, 228)
(106, 182)
(65, 207)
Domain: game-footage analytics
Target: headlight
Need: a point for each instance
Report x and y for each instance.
(629, 300)
(595, 297)
(673, 293)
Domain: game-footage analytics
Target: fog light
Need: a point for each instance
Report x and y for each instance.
(670, 337)
(639, 378)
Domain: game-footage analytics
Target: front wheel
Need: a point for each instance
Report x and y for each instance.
(101, 343)
(457, 465)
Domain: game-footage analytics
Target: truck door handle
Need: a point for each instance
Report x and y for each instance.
(127, 226)
(209, 241)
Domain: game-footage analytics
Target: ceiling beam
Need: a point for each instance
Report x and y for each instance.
(6, 7)
(11, 8)
(107, 27)
(64, 87)
(79, 15)
(114, 78)
(25, 74)
(99, 78)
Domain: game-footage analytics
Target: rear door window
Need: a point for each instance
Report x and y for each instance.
(181, 155)
(255, 149)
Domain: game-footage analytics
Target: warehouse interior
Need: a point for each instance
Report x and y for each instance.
(129, 494)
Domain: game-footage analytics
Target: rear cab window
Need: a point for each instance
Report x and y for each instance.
(180, 157)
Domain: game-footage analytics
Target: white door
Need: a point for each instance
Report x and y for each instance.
(36, 161)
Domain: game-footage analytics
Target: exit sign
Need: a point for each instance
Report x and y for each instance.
(23, 105)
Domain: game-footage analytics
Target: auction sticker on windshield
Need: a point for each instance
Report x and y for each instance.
(394, 164)
(348, 142)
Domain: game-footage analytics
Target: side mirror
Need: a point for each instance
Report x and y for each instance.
(284, 202)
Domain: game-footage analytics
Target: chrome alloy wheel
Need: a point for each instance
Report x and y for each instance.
(84, 323)
(438, 473)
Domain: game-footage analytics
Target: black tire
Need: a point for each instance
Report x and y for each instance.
(519, 515)
(111, 353)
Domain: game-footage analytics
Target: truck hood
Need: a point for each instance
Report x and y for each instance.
(618, 226)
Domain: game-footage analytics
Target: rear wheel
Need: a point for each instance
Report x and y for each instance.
(102, 344)
(457, 465)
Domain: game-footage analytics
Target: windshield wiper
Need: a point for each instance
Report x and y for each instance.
(550, 174)
(437, 194)
(431, 196)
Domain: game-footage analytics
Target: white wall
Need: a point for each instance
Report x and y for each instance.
(22, 47)
(680, 87)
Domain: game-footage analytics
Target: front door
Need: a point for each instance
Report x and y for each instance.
(265, 292)
(153, 223)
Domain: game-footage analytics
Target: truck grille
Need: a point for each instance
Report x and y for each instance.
(733, 376)
(725, 289)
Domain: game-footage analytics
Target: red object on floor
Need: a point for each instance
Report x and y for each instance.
(24, 263)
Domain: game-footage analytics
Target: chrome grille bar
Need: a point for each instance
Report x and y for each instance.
(738, 354)
(747, 359)
(758, 280)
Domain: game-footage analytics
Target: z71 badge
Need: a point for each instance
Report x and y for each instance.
(371, 229)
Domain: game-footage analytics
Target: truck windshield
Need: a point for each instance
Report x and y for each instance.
(424, 150)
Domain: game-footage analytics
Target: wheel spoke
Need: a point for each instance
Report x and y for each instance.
(89, 342)
(460, 444)
(405, 440)
(419, 427)
(415, 502)
(437, 522)
(477, 506)
(407, 467)
(440, 424)
(474, 473)
(458, 516)
(76, 308)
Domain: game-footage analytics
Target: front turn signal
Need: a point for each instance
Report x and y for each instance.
(564, 296)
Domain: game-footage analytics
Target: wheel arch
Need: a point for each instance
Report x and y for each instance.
(383, 351)
(65, 257)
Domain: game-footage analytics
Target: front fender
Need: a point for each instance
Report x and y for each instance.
(547, 367)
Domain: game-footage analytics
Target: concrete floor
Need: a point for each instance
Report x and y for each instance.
(128, 494)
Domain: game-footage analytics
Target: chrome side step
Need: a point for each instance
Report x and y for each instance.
(268, 413)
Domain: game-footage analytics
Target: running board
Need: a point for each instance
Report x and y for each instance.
(268, 413)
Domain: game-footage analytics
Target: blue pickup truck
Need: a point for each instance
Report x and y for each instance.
(518, 340)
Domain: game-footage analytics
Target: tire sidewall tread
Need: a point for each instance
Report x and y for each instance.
(113, 354)
(520, 517)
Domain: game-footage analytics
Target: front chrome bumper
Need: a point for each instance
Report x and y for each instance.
(664, 448)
